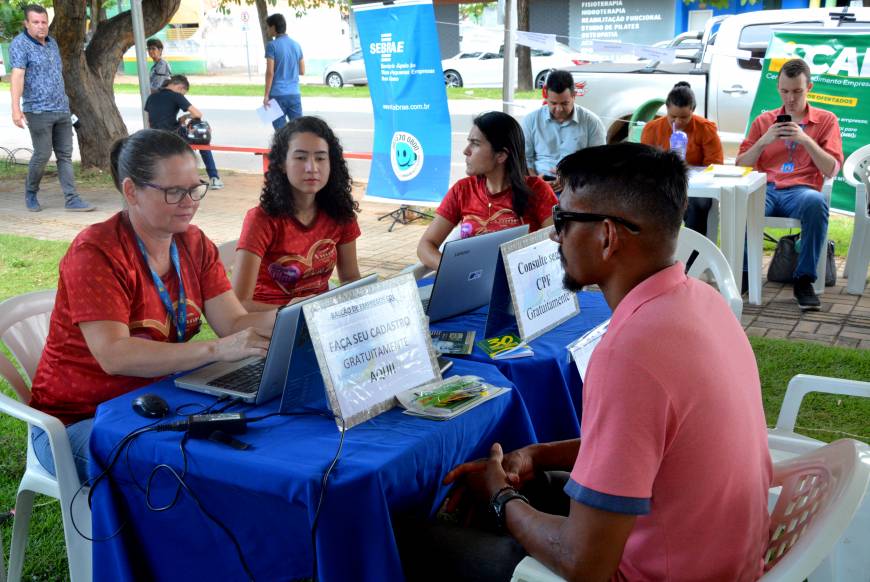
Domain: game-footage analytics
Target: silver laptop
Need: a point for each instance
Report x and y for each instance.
(258, 380)
(464, 278)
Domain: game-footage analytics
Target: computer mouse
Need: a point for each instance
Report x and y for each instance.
(150, 406)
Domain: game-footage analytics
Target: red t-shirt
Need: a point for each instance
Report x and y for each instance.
(470, 203)
(296, 260)
(103, 277)
(822, 126)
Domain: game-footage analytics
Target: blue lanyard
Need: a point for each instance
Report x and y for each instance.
(179, 318)
(791, 145)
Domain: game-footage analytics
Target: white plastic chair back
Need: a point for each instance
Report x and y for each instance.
(23, 328)
(711, 259)
(821, 491)
(850, 559)
(24, 322)
(856, 172)
(782, 222)
(227, 252)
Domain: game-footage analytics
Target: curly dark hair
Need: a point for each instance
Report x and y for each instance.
(334, 199)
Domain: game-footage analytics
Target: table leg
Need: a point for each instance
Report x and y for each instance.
(755, 238)
(730, 231)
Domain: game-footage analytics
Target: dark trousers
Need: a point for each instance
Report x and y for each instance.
(438, 550)
(697, 213)
(51, 130)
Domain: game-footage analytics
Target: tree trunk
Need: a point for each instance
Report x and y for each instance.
(89, 74)
(262, 15)
(524, 62)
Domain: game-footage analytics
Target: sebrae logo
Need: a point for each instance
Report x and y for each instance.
(406, 156)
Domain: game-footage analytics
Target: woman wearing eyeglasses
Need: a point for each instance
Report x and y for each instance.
(498, 193)
(305, 226)
(134, 289)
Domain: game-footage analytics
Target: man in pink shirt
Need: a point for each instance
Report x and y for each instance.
(798, 146)
(671, 475)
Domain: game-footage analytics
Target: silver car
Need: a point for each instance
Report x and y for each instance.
(350, 70)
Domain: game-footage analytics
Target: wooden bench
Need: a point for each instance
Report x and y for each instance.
(264, 152)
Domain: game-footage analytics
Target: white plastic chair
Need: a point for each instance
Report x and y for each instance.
(821, 490)
(711, 259)
(227, 253)
(850, 559)
(23, 329)
(856, 171)
(781, 222)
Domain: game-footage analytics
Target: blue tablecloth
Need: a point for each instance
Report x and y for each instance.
(267, 495)
(548, 381)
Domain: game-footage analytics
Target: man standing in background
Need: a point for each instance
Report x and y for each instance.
(160, 71)
(37, 77)
(284, 64)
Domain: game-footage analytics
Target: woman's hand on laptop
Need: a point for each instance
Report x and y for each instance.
(249, 342)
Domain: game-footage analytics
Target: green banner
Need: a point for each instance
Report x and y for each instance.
(841, 84)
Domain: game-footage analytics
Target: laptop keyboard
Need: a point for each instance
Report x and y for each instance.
(245, 380)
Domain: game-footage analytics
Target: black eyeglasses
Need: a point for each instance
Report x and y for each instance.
(561, 217)
(174, 194)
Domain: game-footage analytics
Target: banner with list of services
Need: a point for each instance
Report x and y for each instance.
(841, 84)
(411, 150)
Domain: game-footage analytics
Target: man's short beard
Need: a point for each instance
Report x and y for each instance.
(570, 284)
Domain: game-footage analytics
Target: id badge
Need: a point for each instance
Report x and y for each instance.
(787, 167)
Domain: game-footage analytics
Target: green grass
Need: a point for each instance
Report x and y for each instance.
(256, 90)
(28, 264)
(92, 178)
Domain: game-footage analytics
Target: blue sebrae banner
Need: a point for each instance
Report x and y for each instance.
(411, 150)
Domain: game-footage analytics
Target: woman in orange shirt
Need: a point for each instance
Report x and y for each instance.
(703, 148)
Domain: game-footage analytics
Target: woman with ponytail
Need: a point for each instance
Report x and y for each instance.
(498, 192)
(133, 291)
(703, 147)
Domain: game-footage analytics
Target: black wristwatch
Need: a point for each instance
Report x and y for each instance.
(500, 500)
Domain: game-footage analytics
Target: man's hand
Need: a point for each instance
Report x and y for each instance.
(476, 477)
(266, 102)
(793, 132)
(19, 119)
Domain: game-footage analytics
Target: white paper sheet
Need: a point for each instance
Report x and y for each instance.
(270, 114)
(536, 40)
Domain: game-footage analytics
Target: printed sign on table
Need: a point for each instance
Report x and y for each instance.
(371, 342)
(527, 292)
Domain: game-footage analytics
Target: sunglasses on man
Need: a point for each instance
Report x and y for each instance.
(562, 217)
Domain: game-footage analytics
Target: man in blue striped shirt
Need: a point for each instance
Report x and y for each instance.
(44, 109)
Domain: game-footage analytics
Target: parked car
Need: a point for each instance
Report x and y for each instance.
(350, 70)
(485, 69)
(724, 76)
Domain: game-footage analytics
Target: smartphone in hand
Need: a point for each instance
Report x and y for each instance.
(784, 118)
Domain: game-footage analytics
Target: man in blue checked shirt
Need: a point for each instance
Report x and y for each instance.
(44, 109)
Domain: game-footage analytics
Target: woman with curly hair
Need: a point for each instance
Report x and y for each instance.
(305, 224)
(498, 192)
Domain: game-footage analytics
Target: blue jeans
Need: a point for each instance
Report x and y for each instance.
(51, 130)
(79, 440)
(808, 206)
(207, 157)
(291, 105)
(208, 160)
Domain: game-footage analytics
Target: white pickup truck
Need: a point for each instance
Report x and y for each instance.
(724, 78)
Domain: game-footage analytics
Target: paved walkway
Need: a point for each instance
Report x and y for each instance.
(843, 321)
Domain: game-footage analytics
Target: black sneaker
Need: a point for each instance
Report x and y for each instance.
(806, 297)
